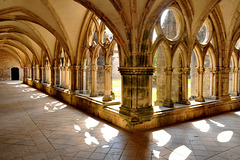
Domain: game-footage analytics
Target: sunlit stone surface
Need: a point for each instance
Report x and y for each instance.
(28, 130)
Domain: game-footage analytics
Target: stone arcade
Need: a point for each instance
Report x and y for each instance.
(169, 55)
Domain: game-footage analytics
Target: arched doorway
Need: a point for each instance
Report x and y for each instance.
(14, 73)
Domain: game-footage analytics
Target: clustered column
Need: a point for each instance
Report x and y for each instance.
(200, 97)
(186, 72)
(94, 81)
(168, 101)
(235, 82)
(108, 84)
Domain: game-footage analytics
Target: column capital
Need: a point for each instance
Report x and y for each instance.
(168, 70)
(136, 70)
(78, 68)
(186, 70)
(235, 69)
(201, 70)
(107, 67)
(94, 67)
(214, 70)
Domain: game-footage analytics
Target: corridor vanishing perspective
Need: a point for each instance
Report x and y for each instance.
(35, 126)
(137, 64)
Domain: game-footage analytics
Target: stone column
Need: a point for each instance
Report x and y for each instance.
(168, 101)
(72, 70)
(24, 74)
(200, 97)
(94, 81)
(40, 74)
(235, 82)
(224, 83)
(87, 79)
(214, 86)
(137, 93)
(108, 84)
(52, 76)
(78, 78)
(43, 74)
(66, 85)
(57, 76)
(32, 74)
(186, 72)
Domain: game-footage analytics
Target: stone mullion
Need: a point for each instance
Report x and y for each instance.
(168, 101)
(87, 80)
(52, 76)
(185, 73)
(43, 74)
(214, 88)
(200, 97)
(107, 84)
(235, 82)
(66, 84)
(94, 81)
(78, 78)
(57, 76)
(72, 84)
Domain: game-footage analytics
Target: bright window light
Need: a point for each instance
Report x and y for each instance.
(217, 123)
(202, 125)
(89, 139)
(77, 127)
(91, 123)
(180, 153)
(109, 132)
(162, 137)
(224, 136)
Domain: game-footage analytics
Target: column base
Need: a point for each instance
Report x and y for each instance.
(234, 93)
(168, 103)
(200, 99)
(224, 98)
(135, 114)
(214, 97)
(107, 98)
(158, 103)
(185, 102)
(93, 94)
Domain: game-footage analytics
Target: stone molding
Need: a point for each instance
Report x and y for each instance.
(136, 70)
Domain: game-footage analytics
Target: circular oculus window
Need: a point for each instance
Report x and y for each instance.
(171, 24)
(204, 34)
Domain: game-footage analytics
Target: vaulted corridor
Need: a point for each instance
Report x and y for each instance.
(35, 125)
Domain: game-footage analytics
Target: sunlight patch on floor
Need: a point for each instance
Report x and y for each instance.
(162, 137)
(180, 153)
(225, 136)
(202, 125)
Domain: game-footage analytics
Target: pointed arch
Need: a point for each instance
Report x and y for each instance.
(180, 45)
(166, 48)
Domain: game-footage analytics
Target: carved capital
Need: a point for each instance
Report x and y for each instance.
(235, 69)
(186, 71)
(136, 70)
(107, 68)
(168, 71)
(94, 67)
(201, 70)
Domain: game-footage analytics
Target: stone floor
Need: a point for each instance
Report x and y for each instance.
(34, 125)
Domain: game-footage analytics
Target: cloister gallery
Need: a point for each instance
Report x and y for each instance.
(137, 64)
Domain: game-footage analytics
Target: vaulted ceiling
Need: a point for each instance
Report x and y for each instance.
(30, 29)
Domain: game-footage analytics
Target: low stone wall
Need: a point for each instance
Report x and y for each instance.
(158, 119)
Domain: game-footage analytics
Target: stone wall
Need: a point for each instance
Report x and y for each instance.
(7, 61)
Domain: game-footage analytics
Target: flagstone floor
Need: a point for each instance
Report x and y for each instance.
(34, 125)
